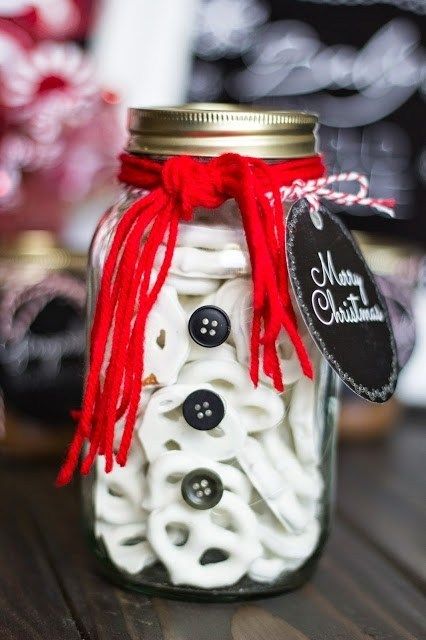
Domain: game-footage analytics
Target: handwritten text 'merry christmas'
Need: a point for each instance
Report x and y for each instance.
(354, 308)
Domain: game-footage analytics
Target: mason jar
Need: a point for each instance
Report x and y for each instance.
(228, 486)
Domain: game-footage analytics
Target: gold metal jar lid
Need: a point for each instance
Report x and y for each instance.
(211, 129)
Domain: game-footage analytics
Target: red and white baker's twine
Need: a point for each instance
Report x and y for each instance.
(313, 190)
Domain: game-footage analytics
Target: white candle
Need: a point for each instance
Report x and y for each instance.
(143, 49)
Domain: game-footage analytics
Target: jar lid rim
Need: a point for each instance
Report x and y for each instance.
(207, 129)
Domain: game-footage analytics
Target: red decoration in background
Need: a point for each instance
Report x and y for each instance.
(50, 19)
(53, 80)
(59, 130)
(13, 39)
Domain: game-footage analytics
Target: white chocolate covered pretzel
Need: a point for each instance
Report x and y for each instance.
(192, 286)
(238, 544)
(266, 570)
(163, 427)
(235, 297)
(166, 472)
(283, 551)
(213, 229)
(302, 420)
(222, 352)
(126, 545)
(118, 494)
(258, 408)
(190, 262)
(166, 340)
(293, 548)
(277, 493)
(305, 480)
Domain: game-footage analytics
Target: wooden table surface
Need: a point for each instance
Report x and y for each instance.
(368, 585)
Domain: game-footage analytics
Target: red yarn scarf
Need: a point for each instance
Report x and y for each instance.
(127, 294)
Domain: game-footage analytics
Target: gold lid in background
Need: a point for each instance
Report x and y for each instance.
(390, 256)
(211, 129)
(38, 250)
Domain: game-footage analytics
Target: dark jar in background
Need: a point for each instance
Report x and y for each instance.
(42, 342)
(396, 266)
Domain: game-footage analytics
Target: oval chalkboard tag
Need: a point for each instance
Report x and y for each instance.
(340, 302)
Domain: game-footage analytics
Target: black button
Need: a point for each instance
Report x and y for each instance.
(203, 409)
(202, 489)
(209, 326)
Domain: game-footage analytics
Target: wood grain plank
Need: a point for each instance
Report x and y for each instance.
(32, 605)
(100, 609)
(382, 495)
(366, 588)
(190, 620)
(356, 593)
(252, 621)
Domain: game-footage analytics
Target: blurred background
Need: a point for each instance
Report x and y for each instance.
(69, 69)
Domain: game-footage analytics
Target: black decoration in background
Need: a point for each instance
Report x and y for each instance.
(41, 374)
(359, 64)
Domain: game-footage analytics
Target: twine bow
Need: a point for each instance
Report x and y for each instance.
(314, 190)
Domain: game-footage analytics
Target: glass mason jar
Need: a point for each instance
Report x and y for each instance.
(227, 490)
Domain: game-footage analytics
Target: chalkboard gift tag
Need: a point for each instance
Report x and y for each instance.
(340, 302)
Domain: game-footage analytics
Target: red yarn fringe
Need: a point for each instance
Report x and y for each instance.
(127, 293)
